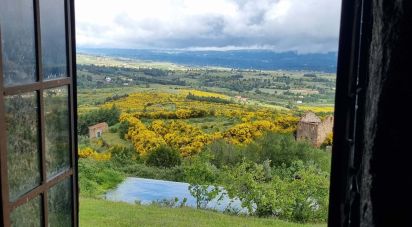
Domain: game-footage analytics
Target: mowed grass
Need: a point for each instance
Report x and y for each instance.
(101, 213)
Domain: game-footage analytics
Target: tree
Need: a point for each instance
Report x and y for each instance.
(202, 175)
(164, 156)
(298, 192)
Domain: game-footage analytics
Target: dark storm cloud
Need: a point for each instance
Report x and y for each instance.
(280, 25)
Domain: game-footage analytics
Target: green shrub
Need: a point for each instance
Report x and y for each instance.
(96, 177)
(122, 129)
(164, 156)
(202, 175)
(122, 156)
(83, 141)
(284, 149)
(300, 195)
(114, 128)
(279, 149)
(223, 153)
(198, 170)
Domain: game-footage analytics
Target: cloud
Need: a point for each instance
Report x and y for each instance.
(280, 25)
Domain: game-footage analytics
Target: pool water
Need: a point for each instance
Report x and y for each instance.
(146, 191)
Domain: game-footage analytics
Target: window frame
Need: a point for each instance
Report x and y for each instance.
(350, 79)
(355, 34)
(39, 86)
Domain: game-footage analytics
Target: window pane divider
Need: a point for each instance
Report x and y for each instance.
(37, 86)
(43, 158)
(40, 89)
(40, 189)
(5, 218)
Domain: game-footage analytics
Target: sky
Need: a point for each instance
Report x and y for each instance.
(304, 26)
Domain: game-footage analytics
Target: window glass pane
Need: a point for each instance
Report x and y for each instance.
(22, 143)
(53, 38)
(60, 204)
(57, 128)
(28, 214)
(18, 43)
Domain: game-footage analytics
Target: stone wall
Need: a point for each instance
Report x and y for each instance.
(315, 133)
(307, 131)
(324, 129)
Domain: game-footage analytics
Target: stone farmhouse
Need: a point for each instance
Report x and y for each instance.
(96, 131)
(312, 129)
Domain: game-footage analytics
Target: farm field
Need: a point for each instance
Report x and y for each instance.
(209, 127)
(278, 88)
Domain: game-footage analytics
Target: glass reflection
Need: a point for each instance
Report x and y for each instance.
(56, 111)
(28, 214)
(18, 42)
(22, 143)
(53, 38)
(60, 204)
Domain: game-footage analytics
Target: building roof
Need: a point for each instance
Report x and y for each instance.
(310, 117)
(100, 125)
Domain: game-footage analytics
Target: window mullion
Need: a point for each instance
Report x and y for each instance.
(43, 157)
(40, 78)
(71, 63)
(38, 41)
(5, 218)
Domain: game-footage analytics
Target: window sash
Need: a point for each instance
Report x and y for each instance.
(40, 86)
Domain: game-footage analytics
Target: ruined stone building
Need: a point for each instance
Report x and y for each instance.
(96, 131)
(312, 129)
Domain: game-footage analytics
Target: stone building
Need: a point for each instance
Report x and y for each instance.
(96, 131)
(312, 129)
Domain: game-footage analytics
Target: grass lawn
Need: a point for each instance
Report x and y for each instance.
(114, 139)
(104, 213)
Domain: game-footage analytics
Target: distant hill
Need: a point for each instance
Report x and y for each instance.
(238, 59)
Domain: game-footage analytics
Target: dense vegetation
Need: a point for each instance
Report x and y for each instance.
(273, 176)
(191, 96)
(211, 140)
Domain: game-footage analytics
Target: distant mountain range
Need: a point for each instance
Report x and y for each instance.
(238, 59)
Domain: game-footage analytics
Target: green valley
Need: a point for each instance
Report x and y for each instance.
(210, 127)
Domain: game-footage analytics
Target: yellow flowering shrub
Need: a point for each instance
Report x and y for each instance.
(185, 92)
(182, 136)
(86, 152)
(142, 138)
(318, 109)
(169, 111)
(101, 156)
(245, 133)
(90, 153)
(328, 140)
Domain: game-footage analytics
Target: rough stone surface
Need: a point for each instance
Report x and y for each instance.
(385, 191)
(310, 117)
(312, 129)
